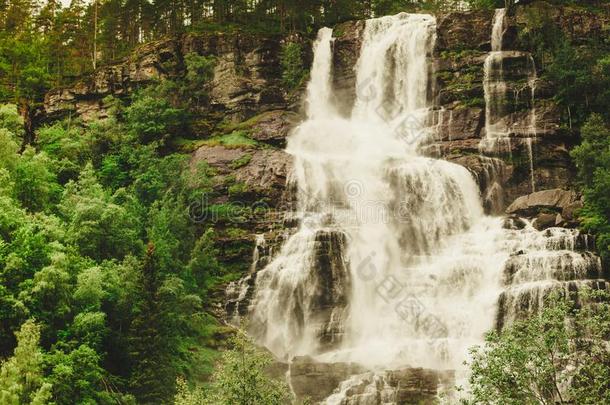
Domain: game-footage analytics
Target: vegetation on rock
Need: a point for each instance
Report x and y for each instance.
(559, 355)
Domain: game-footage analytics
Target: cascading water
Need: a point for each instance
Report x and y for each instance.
(394, 263)
(417, 251)
(503, 121)
(494, 85)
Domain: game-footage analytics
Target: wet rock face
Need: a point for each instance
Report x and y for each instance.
(346, 51)
(459, 123)
(536, 148)
(465, 30)
(316, 381)
(350, 383)
(334, 287)
(555, 207)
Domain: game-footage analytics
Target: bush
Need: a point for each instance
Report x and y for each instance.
(240, 380)
(199, 71)
(557, 356)
(293, 72)
(153, 118)
(11, 120)
(592, 159)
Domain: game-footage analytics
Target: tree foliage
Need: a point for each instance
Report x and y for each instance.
(558, 356)
(241, 379)
(592, 158)
(114, 321)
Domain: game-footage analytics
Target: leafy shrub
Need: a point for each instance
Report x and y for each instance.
(557, 356)
(154, 118)
(199, 71)
(240, 379)
(592, 158)
(11, 120)
(293, 72)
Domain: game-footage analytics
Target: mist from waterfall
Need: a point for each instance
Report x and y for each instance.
(394, 263)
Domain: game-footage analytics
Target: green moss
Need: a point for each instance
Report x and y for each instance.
(236, 233)
(237, 189)
(228, 127)
(476, 102)
(339, 31)
(228, 212)
(241, 161)
(184, 145)
(236, 139)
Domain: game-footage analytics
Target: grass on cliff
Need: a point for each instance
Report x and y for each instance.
(235, 139)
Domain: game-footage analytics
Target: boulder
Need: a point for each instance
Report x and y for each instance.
(554, 200)
(274, 127)
(545, 220)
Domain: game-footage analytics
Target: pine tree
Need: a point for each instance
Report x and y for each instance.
(152, 377)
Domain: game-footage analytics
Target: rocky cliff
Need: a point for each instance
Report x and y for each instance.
(246, 97)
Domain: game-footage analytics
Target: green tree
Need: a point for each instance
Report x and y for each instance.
(35, 182)
(556, 356)
(188, 396)
(78, 378)
(100, 226)
(152, 377)
(11, 120)
(152, 117)
(293, 72)
(241, 377)
(592, 158)
(21, 376)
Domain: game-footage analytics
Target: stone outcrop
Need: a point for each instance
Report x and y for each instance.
(246, 82)
(553, 207)
(264, 171)
(248, 196)
(274, 126)
(577, 23)
(152, 61)
(315, 381)
(346, 51)
(464, 30)
(556, 200)
(463, 43)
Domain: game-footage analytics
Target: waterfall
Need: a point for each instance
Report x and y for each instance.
(413, 276)
(494, 85)
(394, 263)
(503, 121)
